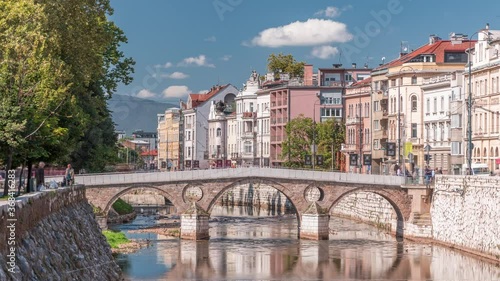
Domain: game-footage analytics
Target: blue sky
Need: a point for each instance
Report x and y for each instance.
(187, 46)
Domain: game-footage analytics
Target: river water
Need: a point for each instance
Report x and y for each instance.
(253, 244)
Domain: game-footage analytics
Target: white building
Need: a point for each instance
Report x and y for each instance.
(441, 92)
(485, 89)
(246, 120)
(195, 113)
(263, 128)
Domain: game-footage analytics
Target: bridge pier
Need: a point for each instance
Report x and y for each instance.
(315, 223)
(194, 223)
(102, 221)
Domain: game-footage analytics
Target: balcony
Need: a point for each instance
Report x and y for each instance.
(332, 84)
(353, 120)
(249, 115)
(248, 135)
(437, 79)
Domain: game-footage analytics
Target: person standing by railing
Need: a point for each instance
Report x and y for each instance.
(69, 176)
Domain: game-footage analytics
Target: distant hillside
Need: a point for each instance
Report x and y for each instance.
(131, 113)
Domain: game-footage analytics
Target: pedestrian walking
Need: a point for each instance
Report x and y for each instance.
(69, 176)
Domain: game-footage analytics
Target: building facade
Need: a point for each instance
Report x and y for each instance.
(404, 77)
(484, 84)
(195, 112)
(168, 139)
(358, 127)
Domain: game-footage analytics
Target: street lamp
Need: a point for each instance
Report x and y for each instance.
(320, 98)
(469, 98)
(403, 170)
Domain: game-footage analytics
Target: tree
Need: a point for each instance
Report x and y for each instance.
(33, 82)
(299, 135)
(285, 64)
(331, 136)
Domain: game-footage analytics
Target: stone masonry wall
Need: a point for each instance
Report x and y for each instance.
(466, 213)
(257, 195)
(367, 207)
(57, 238)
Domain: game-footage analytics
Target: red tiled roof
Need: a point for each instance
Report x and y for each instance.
(363, 82)
(197, 99)
(438, 49)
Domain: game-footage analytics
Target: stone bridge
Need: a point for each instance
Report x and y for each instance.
(194, 193)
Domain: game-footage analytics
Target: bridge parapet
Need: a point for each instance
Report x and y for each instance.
(305, 175)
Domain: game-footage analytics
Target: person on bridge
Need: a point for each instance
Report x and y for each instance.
(69, 176)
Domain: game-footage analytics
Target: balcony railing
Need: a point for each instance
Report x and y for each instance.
(437, 79)
(248, 134)
(249, 114)
(353, 120)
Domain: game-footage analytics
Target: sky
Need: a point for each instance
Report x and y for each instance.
(188, 46)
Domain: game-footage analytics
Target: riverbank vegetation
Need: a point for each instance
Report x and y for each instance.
(122, 207)
(115, 238)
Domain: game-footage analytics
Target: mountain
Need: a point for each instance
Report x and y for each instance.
(131, 113)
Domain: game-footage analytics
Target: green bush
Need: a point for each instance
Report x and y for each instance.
(115, 238)
(122, 207)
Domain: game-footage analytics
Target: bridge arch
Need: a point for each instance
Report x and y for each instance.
(129, 189)
(296, 201)
(398, 199)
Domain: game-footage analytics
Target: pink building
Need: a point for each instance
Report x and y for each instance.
(358, 128)
(289, 99)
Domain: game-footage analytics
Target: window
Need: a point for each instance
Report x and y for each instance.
(413, 130)
(456, 148)
(189, 135)
(251, 107)
(219, 132)
(442, 104)
(435, 105)
(414, 103)
(248, 147)
(376, 144)
(414, 80)
(455, 57)
(376, 106)
(428, 105)
(456, 121)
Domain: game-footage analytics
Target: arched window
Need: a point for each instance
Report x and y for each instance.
(219, 132)
(496, 152)
(414, 106)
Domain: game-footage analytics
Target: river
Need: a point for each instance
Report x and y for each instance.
(253, 244)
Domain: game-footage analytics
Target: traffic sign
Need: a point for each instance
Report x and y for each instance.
(427, 148)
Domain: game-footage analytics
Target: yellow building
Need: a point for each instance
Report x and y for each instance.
(168, 139)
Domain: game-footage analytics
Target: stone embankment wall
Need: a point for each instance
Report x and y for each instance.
(466, 213)
(367, 207)
(57, 238)
(262, 195)
(373, 209)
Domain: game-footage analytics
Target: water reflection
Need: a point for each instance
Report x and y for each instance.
(266, 247)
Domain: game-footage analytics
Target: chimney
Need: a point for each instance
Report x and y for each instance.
(487, 26)
(433, 38)
(337, 65)
(308, 75)
(353, 65)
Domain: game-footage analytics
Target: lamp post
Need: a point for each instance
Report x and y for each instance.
(401, 159)
(320, 97)
(469, 99)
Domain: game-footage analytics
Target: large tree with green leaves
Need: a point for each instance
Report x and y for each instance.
(285, 64)
(300, 131)
(55, 78)
(33, 84)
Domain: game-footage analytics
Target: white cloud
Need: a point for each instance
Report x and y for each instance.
(166, 65)
(176, 92)
(226, 57)
(324, 52)
(178, 75)
(145, 94)
(210, 39)
(329, 12)
(201, 60)
(312, 32)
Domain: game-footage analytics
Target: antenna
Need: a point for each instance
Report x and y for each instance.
(340, 56)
